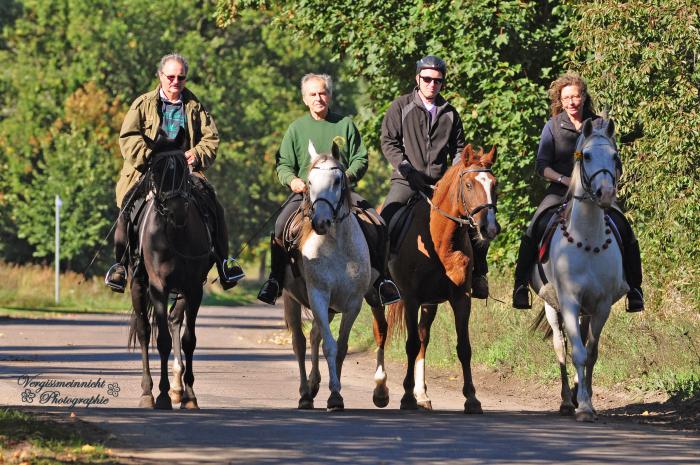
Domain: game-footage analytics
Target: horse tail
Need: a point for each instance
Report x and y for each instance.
(540, 323)
(395, 320)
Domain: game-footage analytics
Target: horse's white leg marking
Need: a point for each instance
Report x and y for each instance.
(419, 389)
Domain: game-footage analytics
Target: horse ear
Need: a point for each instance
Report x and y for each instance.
(312, 151)
(490, 158)
(335, 151)
(587, 128)
(610, 129)
(469, 156)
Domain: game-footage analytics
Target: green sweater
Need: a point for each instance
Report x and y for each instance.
(293, 158)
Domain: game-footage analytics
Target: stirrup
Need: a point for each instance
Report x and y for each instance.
(388, 284)
(641, 299)
(265, 295)
(116, 287)
(529, 297)
(231, 271)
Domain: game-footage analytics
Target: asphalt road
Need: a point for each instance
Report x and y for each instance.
(246, 385)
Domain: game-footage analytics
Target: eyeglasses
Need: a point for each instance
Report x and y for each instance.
(428, 80)
(571, 98)
(171, 77)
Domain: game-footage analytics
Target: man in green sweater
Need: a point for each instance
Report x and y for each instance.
(322, 127)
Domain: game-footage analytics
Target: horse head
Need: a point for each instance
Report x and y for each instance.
(328, 195)
(169, 178)
(477, 191)
(594, 177)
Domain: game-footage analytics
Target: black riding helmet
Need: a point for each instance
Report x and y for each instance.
(431, 62)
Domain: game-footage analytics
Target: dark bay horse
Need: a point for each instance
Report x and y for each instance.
(434, 264)
(175, 256)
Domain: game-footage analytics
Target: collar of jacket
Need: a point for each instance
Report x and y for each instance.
(563, 121)
(439, 102)
(186, 96)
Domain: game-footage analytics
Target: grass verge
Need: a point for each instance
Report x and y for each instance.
(29, 439)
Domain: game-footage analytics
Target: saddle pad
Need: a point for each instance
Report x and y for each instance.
(398, 226)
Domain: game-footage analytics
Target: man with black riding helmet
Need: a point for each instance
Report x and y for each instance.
(421, 134)
(155, 116)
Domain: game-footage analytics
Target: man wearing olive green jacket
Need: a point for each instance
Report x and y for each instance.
(164, 112)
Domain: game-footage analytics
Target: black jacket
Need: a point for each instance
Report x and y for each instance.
(408, 134)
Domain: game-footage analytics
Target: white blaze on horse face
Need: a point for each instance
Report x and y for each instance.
(491, 226)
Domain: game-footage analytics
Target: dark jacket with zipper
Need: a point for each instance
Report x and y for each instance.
(409, 134)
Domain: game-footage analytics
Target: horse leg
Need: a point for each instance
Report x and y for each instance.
(165, 345)
(380, 396)
(292, 317)
(461, 306)
(319, 300)
(139, 300)
(315, 376)
(408, 401)
(597, 321)
(175, 325)
(189, 343)
(570, 313)
(559, 342)
(427, 316)
(584, 322)
(347, 320)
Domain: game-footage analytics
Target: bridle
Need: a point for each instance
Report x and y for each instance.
(587, 180)
(467, 217)
(164, 191)
(336, 209)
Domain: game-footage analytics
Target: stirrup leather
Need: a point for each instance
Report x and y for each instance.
(387, 285)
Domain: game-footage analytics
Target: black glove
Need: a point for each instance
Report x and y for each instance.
(414, 178)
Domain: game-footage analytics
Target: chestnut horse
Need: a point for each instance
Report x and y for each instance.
(434, 264)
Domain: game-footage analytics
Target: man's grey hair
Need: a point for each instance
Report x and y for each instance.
(172, 57)
(327, 81)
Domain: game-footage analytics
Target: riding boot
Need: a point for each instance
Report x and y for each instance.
(379, 257)
(116, 277)
(272, 288)
(523, 267)
(227, 267)
(632, 262)
(480, 285)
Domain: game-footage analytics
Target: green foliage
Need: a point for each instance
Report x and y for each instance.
(641, 62)
(500, 56)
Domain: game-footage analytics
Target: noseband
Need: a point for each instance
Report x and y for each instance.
(466, 218)
(334, 208)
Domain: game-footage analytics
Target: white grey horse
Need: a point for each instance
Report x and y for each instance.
(584, 269)
(335, 275)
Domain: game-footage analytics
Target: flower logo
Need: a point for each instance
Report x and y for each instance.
(113, 389)
(28, 396)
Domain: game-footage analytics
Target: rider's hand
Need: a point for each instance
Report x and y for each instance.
(297, 185)
(191, 157)
(414, 178)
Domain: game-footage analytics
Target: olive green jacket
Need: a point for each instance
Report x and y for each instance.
(143, 120)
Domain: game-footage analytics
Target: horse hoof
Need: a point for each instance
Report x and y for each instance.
(408, 402)
(335, 403)
(189, 404)
(175, 396)
(425, 405)
(586, 416)
(380, 397)
(306, 404)
(566, 410)
(473, 407)
(147, 402)
(163, 402)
